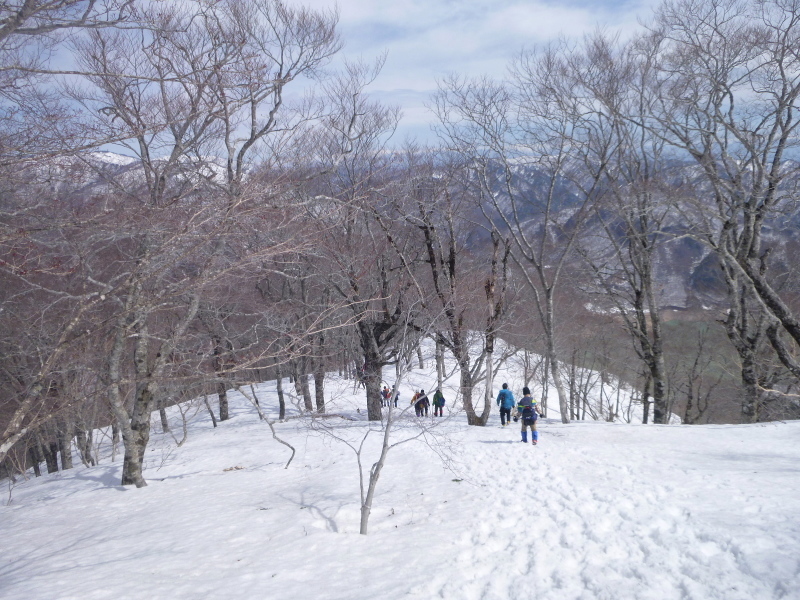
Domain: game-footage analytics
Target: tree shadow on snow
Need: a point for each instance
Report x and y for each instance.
(330, 523)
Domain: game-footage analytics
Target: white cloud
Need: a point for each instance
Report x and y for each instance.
(427, 39)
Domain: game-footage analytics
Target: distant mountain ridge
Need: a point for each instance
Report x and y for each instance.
(687, 268)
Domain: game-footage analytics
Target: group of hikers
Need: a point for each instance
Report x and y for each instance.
(420, 401)
(386, 396)
(526, 410)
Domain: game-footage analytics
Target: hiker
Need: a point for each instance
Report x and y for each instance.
(421, 403)
(528, 411)
(505, 400)
(438, 403)
(395, 393)
(361, 376)
(385, 394)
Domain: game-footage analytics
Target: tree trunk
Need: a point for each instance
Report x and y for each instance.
(134, 425)
(750, 392)
(222, 350)
(210, 412)
(114, 440)
(319, 374)
(84, 443)
(255, 401)
(439, 364)
(305, 387)
(281, 399)
(545, 385)
(420, 360)
(50, 451)
(34, 454)
(526, 367)
(374, 476)
(301, 383)
(489, 391)
(372, 380)
(563, 401)
(495, 302)
(319, 390)
(222, 395)
(136, 437)
(602, 403)
(467, 386)
(164, 422)
(377, 467)
(65, 430)
(149, 367)
(294, 379)
(488, 395)
(573, 385)
(583, 394)
(660, 409)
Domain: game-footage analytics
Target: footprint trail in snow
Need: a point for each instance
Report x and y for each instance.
(553, 524)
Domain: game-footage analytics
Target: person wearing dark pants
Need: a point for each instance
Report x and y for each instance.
(505, 400)
(438, 404)
(421, 404)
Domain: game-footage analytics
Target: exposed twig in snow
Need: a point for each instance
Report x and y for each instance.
(254, 402)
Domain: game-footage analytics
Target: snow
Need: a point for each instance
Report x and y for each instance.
(112, 158)
(596, 510)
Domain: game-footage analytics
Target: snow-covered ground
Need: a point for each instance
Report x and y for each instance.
(596, 510)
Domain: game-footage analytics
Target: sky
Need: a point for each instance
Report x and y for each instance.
(428, 39)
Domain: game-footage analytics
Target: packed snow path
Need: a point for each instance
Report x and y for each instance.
(598, 511)
(595, 511)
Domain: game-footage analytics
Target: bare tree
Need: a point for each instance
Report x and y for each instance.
(495, 287)
(361, 270)
(518, 139)
(723, 90)
(30, 20)
(152, 241)
(34, 121)
(428, 229)
(631, 215)
(397, 429)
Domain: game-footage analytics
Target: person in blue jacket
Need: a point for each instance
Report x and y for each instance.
(528, 413)
(505, 400)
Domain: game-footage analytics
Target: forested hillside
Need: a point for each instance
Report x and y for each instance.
(200, 197)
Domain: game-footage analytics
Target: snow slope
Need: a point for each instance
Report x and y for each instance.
(596, 510)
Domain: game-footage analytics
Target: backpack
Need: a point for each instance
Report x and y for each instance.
(529, 415)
